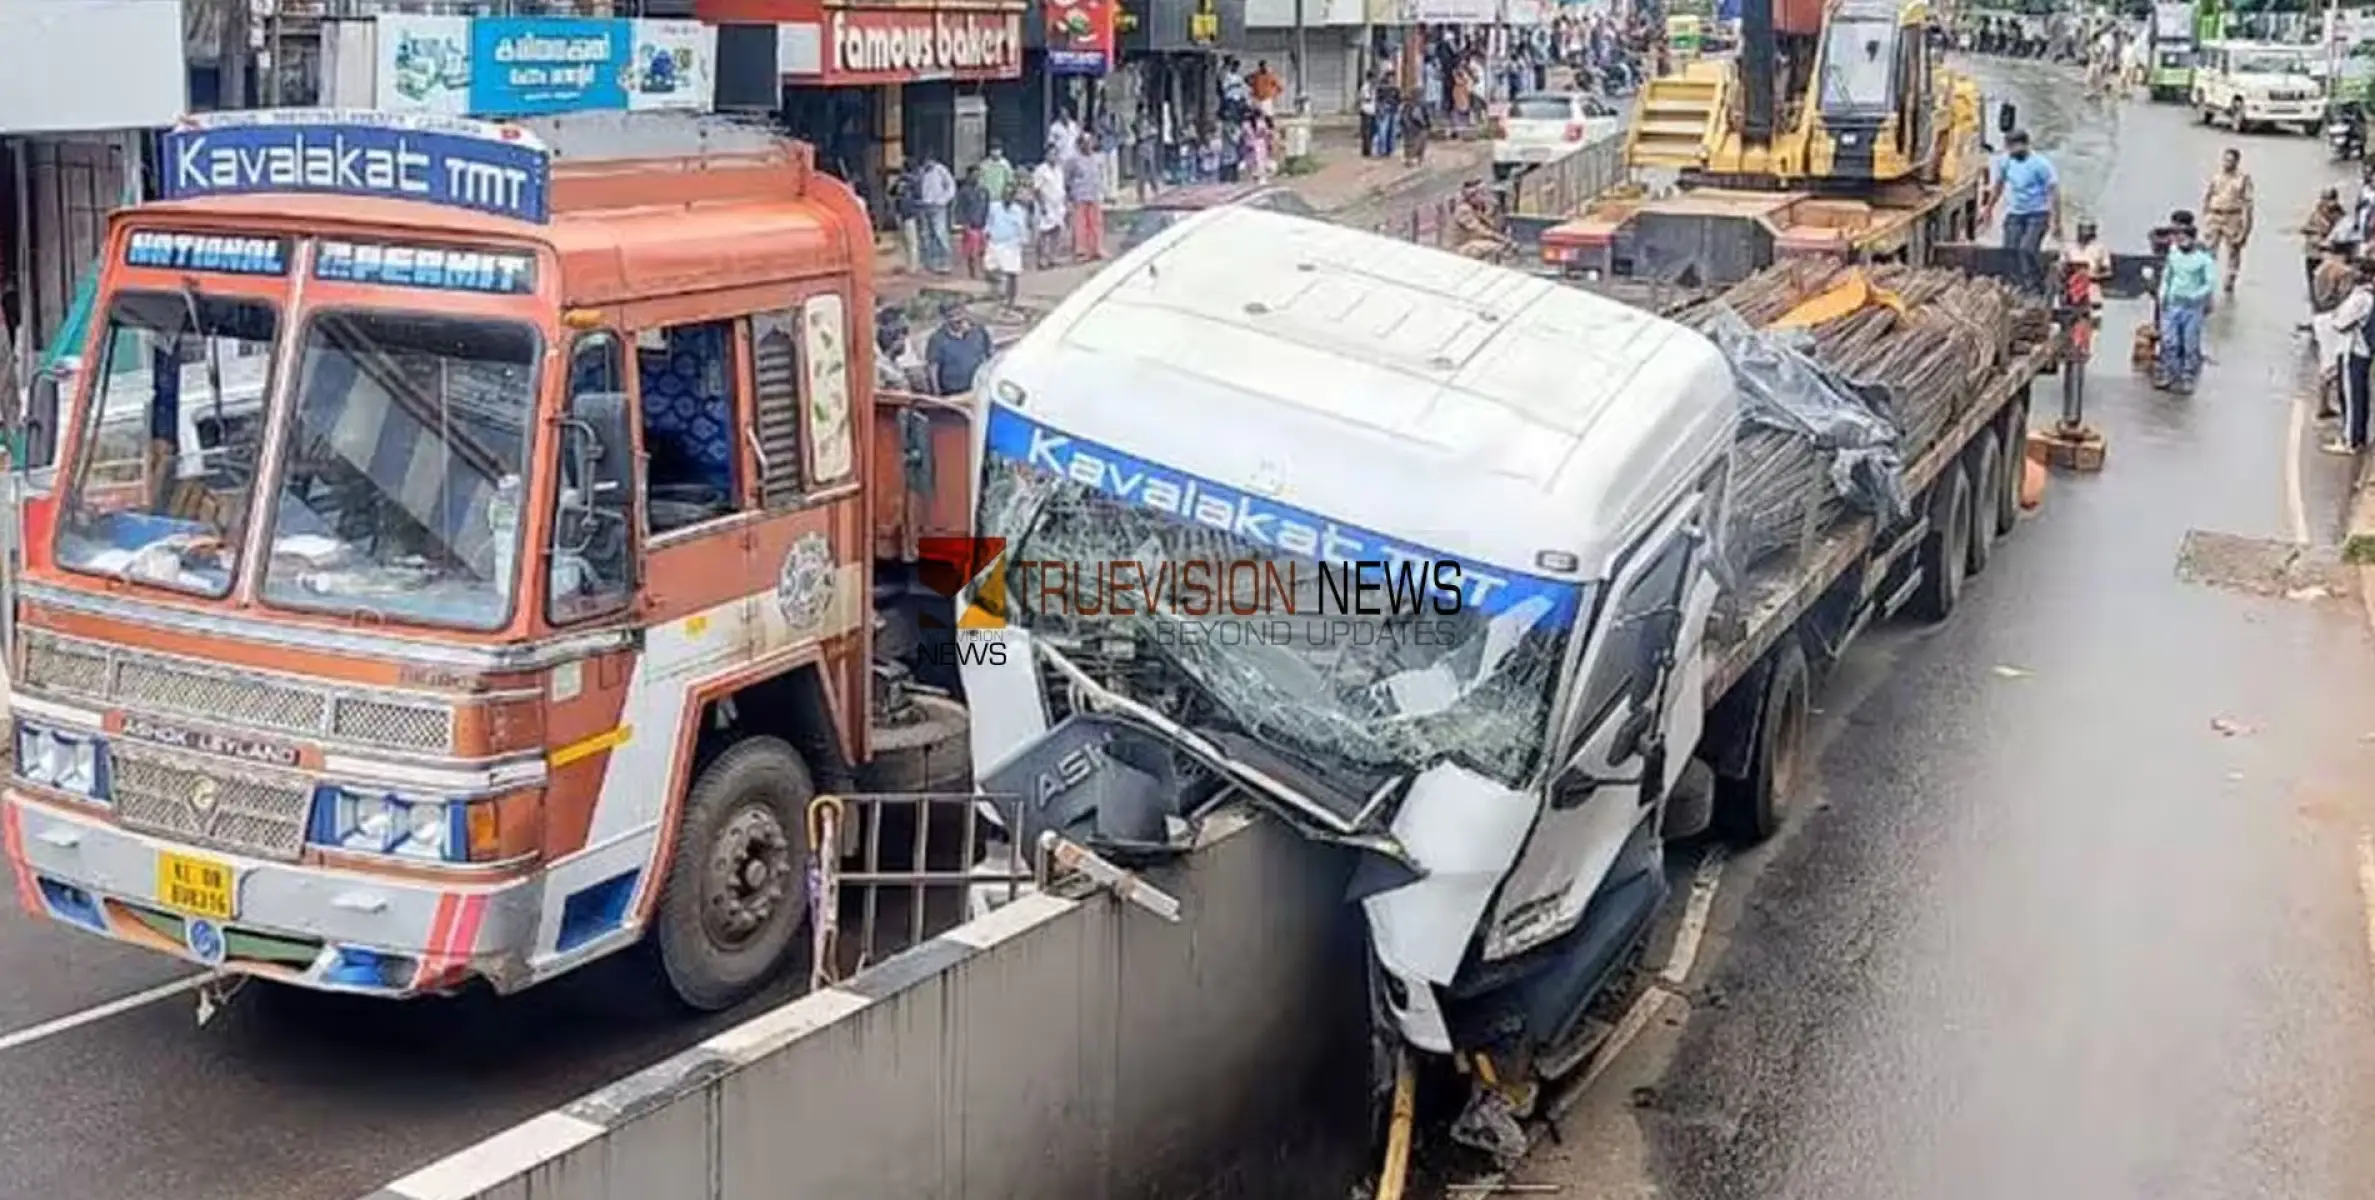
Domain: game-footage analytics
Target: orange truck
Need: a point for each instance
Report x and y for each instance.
(465, 556)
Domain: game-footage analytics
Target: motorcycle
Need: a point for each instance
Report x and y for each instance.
(2346, 131)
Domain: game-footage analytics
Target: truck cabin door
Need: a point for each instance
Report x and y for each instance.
(1615, 749)
(591, 567)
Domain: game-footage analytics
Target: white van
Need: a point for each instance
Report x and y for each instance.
(2249, 84)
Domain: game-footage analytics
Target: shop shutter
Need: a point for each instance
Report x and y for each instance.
(1326, 77)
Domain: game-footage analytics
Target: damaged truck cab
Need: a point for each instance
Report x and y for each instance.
(463, 560)
(1197, 464)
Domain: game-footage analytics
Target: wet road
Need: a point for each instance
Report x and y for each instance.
(285, 1095)
(2079, 911)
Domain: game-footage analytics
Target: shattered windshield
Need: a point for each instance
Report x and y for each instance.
(403, 488)
(167, 462)
(1359, 660)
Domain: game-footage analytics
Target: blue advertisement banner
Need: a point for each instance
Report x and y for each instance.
(443, 268)
(421, 160)
(526, 65)
(225, 254)
(1256, 521)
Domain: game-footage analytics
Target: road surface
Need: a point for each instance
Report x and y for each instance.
(2084, 908)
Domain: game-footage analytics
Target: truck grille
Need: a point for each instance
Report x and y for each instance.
(157, 683)
(237, 808)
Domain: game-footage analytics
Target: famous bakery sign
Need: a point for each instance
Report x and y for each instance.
(899, 45)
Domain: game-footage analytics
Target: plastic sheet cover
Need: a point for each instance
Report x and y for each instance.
(1782, 387)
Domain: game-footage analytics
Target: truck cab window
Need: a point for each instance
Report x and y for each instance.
(589, 570)
(167, 460)
(1639, 627)
(688, 378)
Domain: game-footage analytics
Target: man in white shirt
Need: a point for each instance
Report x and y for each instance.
(935, 189)
(1047, 203)
(1063, 138)
(2349, 324)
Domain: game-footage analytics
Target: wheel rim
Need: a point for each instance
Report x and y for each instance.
(1991, 463)
(748, 874)
(1786, 741)
(1958, 540)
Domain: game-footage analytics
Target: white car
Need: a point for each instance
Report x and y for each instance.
(2249, 84)
(1544, 127)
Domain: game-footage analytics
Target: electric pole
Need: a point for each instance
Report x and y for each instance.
(1302, 56)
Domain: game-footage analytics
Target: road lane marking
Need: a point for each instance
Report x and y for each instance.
(2367, 890)
(1694, 916)
(72, 1021)
(2296, 509)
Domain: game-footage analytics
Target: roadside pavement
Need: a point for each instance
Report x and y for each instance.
(1346, 187)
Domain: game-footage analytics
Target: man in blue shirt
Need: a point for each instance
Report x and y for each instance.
(2189, 280)
(2025, 184)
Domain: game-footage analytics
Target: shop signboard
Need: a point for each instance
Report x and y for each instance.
(1079, 36)
(907, 45)
(525, 65)
(521, 66)
(423, 65)
(1455, 12)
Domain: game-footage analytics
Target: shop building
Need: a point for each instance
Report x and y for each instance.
(83, 87)
(873, 85)
(1333, 37)
(1170, 61)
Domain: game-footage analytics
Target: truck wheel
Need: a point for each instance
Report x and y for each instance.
(1946, 551)
(2015, 458)
(1987, 483)
(737, 890)
(1752, 808)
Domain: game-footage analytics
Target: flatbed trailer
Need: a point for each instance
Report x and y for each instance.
(1796, 612)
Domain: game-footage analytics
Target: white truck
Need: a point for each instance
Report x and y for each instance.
(1289, 402)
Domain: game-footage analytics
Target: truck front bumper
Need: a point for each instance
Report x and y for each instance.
(318, 927)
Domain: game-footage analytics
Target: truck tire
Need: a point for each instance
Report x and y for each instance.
(1987, 484)
(2016, 456)
(1946, 552)
(737, 888)
(1752, 808)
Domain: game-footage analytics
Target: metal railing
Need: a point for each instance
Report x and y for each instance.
(1536, 197)
(894, 870)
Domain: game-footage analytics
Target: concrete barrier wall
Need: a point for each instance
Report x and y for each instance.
(1054, 1049)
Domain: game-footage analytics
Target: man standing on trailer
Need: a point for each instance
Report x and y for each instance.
(2025, 183)
(2227, 214)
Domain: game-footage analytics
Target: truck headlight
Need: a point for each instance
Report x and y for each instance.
(69, 760)
(364, 820)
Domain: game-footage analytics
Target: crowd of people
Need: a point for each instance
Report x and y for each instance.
(1463, 71)
(2200, 253)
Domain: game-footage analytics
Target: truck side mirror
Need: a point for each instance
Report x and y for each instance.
(596, 484)
(2007, 117)
(38, 447)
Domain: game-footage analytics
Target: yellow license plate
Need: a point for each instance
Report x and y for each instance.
(199, 887)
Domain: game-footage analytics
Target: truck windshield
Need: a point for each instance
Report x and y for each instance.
(401, 496)
(1263, 649)
(166, 465)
